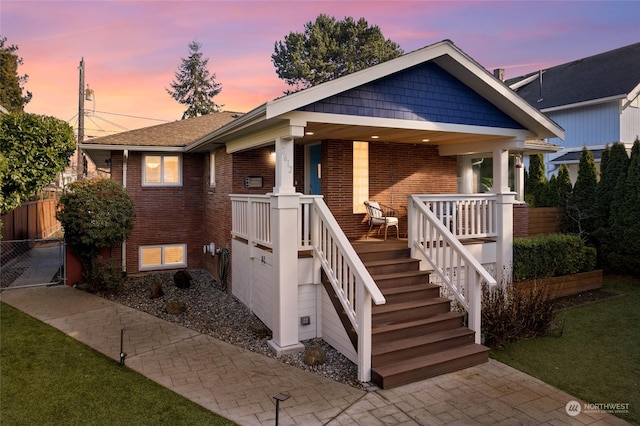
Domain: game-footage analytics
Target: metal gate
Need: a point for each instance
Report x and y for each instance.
(30, 263)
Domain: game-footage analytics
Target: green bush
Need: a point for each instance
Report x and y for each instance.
(554, 255)
(106, 275)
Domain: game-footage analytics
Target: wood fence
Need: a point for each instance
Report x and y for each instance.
(32, 220)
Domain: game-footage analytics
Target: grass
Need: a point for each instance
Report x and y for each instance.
(596, 358)
(48, 378)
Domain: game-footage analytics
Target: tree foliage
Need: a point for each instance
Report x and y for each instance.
(95, 214)
(535, 181)
(36, 148)
(11, 84)
(328, 49)
(581, 207)
(613, 168)
(621, 250)
(194, 85)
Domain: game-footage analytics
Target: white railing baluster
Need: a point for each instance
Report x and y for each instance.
(458, 270)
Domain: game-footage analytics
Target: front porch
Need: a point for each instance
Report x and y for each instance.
(386, 305)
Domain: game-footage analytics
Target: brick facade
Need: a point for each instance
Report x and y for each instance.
(164, 215)
(395, 171)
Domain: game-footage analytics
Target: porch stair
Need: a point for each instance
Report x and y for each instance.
(415, 334)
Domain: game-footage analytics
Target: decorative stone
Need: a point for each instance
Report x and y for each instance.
(156, 290)
(315, 355)
(175, 307)
(182, 279)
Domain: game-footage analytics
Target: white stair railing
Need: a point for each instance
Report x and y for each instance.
(349, 278)
(430, 234)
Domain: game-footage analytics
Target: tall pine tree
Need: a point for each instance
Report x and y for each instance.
(581, 209)
(194, 85)
(11, 84)
(621, 250)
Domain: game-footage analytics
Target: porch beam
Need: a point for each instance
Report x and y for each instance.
(517, 143)
(265, 137)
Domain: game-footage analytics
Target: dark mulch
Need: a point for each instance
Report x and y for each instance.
(585, 298)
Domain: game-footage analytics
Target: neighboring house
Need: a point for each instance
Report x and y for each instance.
(594, 99)
(283, 187)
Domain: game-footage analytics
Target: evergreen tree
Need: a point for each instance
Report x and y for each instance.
(535, 181)
(194, 85)
(581, 209)
(329, 49)
(615, 163)
(623, 249)
(565, 189)
(11, 84)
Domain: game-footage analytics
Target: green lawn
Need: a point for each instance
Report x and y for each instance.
(597, 358)
(48, 378)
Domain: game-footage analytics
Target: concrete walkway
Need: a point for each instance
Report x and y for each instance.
(240, 385)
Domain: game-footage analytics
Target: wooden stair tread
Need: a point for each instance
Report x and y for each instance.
(407, 288)
(430, 360)
(403, 274)
(394, 326)
(395, 261)
(379, 309)
(421, 340)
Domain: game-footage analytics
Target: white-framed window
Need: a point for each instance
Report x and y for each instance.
(162, 170)
(360, 176)
(166, 256)
(212, 169)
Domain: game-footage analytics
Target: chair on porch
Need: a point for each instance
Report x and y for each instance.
(380, 215)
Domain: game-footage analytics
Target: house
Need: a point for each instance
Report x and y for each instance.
(594, 99)
(283, 188)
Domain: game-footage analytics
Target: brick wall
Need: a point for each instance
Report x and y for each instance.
(165, 215)
(395, 171)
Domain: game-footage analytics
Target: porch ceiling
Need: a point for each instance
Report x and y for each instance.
(323, 131)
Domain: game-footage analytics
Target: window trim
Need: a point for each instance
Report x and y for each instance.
(162, 161)
(163, 265)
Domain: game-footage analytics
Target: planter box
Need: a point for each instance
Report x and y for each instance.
(567, 285)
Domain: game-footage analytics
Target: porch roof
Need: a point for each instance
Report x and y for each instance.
(277, 118)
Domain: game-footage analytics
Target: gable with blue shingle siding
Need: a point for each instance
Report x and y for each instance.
(425, 92)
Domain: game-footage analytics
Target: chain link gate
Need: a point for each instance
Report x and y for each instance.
(30, 263)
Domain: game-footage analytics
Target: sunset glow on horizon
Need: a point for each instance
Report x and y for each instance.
(132, 49)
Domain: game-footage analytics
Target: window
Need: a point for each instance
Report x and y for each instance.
(212, 169)
(166, 256)
(360, 176)
(161, 170)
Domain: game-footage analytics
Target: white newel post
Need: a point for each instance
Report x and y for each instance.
(505, 201)
(284, 218)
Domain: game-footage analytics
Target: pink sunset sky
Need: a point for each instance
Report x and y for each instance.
(132, 49)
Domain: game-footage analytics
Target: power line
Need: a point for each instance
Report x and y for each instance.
(134, 116)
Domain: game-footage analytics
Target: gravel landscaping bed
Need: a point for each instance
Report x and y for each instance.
(211, 311)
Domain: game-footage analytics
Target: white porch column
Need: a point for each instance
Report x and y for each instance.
(465, 174)
(505, 200)
(284, 218)
(519, 180)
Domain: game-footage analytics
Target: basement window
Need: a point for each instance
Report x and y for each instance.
(167, 256)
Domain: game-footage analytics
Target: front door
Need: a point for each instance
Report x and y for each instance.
(314, 171)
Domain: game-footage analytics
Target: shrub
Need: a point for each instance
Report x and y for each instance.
(106, 275)
(544, 256)
(510, 314)
(95, 214)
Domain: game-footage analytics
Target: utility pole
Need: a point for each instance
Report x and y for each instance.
(79, 162)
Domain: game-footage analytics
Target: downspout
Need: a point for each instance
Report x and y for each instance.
(125, 157)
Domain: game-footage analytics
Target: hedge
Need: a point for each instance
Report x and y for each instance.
(552, 255)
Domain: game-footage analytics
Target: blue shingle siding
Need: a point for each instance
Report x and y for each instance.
(425, 92)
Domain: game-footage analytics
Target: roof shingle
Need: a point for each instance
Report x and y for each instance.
(177, 133)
